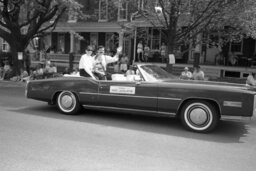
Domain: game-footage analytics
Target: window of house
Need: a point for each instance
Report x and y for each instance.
(155, 39)
(123, 10)
(5, 46)
(236, 46)
(72, 16)
(61, 43)
(103, 10)
(140, 4)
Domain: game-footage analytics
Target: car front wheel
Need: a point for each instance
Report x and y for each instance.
(68, 103)
(199, 116)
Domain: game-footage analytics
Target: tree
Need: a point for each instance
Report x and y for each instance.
(23, 20)
(183, 21)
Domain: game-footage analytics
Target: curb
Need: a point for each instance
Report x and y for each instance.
(7, 83)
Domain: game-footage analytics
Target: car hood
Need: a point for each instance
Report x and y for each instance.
(216, 84)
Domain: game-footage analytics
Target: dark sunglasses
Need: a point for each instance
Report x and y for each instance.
(89, 50)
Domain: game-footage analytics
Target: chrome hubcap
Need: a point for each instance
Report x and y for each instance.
(66, 101)
(198, 116)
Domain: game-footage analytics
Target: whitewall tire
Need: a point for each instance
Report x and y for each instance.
(199, 116)
(68, 103)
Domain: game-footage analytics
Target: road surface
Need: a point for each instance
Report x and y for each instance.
(35, 137)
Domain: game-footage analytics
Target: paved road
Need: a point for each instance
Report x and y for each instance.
(35, 136)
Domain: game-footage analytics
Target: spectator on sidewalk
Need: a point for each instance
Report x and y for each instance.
(163, 50)
(198, 74)
(1, 70)
(251, 79)
(6, 71)
(146, 52)
(38, 73)
(140, 51)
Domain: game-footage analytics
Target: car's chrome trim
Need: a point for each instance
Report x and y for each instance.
(254, 106)
(127, 109)
(227, 117)
(232, 104)
(125, 95)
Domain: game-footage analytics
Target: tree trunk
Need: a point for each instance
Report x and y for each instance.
(17, 64)
(171, 34)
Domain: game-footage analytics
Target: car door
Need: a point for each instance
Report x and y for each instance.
(88, 91)
(130, 95)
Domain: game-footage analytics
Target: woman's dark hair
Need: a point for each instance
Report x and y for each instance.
(100, 47)
(89, 48)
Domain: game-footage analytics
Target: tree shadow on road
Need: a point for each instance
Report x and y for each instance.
(226, 132)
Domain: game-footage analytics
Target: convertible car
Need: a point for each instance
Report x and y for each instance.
(198, 104)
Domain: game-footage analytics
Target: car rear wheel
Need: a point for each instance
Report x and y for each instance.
(68, 103)
(199, 116)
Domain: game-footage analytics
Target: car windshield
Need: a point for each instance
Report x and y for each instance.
(156, 72)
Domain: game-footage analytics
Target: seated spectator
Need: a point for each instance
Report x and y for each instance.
(130, 71)
(75, 71)
(38, 73)
(22, 77)
(198, 74)
(66, 71)
(251, 79)
(186, 74)
(53, 68)
(47, 65)
(6, 73)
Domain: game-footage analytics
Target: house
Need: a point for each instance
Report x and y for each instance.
(114, 23)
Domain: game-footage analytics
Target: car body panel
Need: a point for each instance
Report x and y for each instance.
(165, 96)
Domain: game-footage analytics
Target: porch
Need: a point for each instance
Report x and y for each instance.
(211, 71)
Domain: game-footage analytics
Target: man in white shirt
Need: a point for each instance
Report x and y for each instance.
(101, 60)
(86, 63)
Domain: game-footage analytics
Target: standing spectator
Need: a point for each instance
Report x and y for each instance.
(140, 51)
(124, 63)
(1, 70)
(27, 60)
(163, 49)
(198, 74)
(146, 52)
(186, 74)
(232, 59)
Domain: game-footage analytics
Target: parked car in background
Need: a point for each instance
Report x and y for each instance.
(198, 104)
